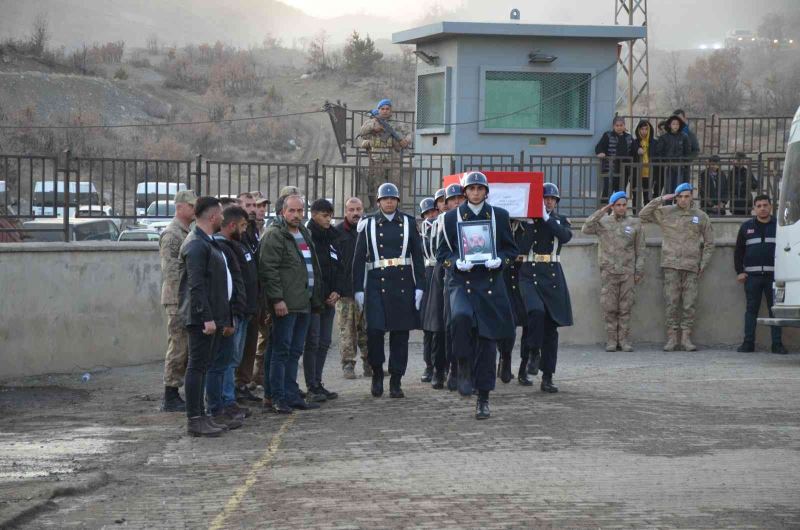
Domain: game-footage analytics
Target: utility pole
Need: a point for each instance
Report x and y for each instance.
(634, 62)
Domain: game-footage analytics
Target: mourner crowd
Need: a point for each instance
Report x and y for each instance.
(247, 295)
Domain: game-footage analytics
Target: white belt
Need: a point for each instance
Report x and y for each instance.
(392, 262)
(539, 258)
(765, 268)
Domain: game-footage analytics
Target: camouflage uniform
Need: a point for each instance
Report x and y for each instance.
(687, 245)
(352, 331)
(177, 343)
(386, 163)
(620, 254)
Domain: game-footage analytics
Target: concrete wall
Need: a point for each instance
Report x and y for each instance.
(69, 307)
(474, 52)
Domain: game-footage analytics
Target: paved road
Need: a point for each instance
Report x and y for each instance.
(647, 439)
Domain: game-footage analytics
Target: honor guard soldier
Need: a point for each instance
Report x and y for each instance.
(439, 200)
(543, 285)
(388, 283)
(506, 346)
(480, 311)
(453, 198)
(428, 212)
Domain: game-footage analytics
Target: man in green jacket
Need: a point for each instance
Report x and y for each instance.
(288, 270)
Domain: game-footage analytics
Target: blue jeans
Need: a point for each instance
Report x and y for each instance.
(216, 373)
(288, 339)
(318, 341)
(229, 380)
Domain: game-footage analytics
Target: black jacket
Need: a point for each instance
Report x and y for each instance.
(614, 145)
(714, 188)
(674, 145)
(328, 258)
(346, 245)
(203, 291)
(246, 305)
(755, 248)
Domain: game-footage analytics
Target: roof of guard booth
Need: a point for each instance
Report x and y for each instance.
(445, 30)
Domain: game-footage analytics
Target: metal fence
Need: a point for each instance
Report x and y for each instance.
(131, 191)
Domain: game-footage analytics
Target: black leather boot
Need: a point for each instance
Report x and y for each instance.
(394, 387)
(547, 384)
(533, 363)
(198, 426)
(172, 400)
(427, 375)
(504, 367)
(464, 377)
(522, 375)
(438, 379)
(377, 382)
(452, 378)
(482, 407)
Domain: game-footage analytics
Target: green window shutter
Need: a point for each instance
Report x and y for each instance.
(430, 101)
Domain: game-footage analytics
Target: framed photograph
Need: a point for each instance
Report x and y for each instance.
(477, 241)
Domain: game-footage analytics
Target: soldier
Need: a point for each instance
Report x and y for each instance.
(439, 200)
(388, 282)
(687, 244)
(620, 254)
(384, 140)
(453, 198)
(480, 312)
(428, 213)
(543, 285)
(178, 343)
(432, 308)
(506, 346)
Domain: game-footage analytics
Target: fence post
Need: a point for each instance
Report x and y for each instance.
(67, 159)
(522, 160)
(761, 183)
(198, 170)
(316, 179)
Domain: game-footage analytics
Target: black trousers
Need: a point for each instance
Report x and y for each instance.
(427, 340)
(202, 349)
(507, 345)
(755, 286)
(398, 351)
(543, 336)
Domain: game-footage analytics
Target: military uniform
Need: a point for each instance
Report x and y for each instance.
(480, 308)
(176, 357)
(620, 254)
(388, 268)
(386, 162)
(686, 248)
(432, 309)
(544, 288)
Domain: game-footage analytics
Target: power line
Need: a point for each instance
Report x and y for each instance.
(167, 124)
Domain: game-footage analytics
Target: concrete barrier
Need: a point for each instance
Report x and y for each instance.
(69, 307)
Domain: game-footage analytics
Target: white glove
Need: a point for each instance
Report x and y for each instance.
(545, 215)
(418, 298)
(359, 296)
(464, 266)
(493, 263)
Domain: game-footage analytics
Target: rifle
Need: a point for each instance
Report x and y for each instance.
(388, 131)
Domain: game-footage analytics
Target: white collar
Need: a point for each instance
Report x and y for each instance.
(389, 216)
(476, 208)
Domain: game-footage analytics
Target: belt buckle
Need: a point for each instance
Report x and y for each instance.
(391, 262)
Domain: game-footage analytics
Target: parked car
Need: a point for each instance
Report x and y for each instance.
(139, 234)
(96, 210)
(48, 197)
(81, 229)
(149, 192)
(159, 215)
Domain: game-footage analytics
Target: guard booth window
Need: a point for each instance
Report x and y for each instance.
(430, 101)
(537, 100)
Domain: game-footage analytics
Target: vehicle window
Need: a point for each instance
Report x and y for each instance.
(161, 209)
(41, 237)
(96, 232)
(789, 200)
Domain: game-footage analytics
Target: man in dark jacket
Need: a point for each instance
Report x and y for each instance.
(615, 144)
(205, 293)
(674, 145)
(320, 329)
(351, 322)
(743, 182)
(754, 261)
(288, 270)
(713, 183)
(694, 145)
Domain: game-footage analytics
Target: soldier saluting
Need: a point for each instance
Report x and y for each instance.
(388, 283)
(543, 285)
(480, 310)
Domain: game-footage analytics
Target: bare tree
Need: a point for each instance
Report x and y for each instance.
(40, 34)
(317, 56)
(675, 90)
(714, 82)
(152, 44)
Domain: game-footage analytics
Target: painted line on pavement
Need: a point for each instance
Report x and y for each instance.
(236, 499)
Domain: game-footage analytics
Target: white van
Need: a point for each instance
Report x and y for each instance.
(48, 197)
(148, 192)
(786, 306)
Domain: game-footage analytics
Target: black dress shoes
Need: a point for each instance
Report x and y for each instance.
(482, 409)
(427, 375)
(504, 368)
(438, 379)
(548, 386)
(522, 375)
(533, 364)
(377, 384)
(394, 387)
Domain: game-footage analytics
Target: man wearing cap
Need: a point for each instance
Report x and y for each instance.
(384, 139)
(388, 280)
(453, 198)
(620, 255)
(480, 311)
(433, 340)
(687, 245)
(544, 286)
(169, 243)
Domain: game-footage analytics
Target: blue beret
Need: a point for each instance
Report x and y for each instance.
(383, 102)
(683, 187)
(617, 196)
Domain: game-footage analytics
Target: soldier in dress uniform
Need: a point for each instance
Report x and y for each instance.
(428, 212)
(388, 281)
(543, 285)
(480, 310)
(453, 198)
(506, 346)
(439, 200)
